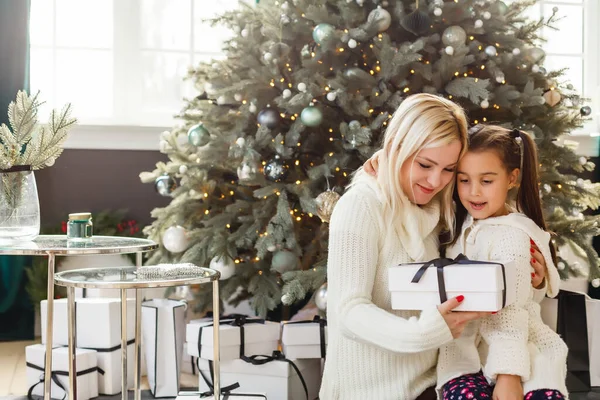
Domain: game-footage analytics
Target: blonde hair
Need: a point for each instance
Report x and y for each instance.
(422, 121)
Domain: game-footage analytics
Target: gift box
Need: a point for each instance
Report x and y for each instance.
(487, 286)
(278, 377)
(98, 328)
(188, 363)
(304, 339)
(228, 396)
(576, 318)
(260, 337)
(87, 372)
(163, 333)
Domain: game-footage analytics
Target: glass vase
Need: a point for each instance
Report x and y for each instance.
(19, 205)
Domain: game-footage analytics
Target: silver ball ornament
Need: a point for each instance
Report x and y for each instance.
(547, 188)
(596, 282)
(354, 125)
(175, 239)
(165, 185)
(245, 33)
(491, 51)
(449, 50)
(237, 97)
(225, 265)
(516, 51)
(287, 93)
(269, 118)
(560, 265)
(326, 202)
(454, 36)
(585, 111)
(331, 96)
(321, 297)
(352, 43)
(198, 135)
(437, 12)
(323, 32)
(268, 56)
(252, 108)
(284, 261)
(311, 116)
(535, 68)
(380, 18)
(478, 23)
(582, 160)
(302, 87)
(487, 15)
(485, 104)
(240, 141)
(183, 169)
(276, 169)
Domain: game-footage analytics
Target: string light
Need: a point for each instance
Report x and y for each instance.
(206, 212)
(244, 102)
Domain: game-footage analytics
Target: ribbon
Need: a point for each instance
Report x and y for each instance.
(54, 376)
(441, 263)
(211, 369)
(277, 356)
(17, 168)
(322, 324)
(111, 349)
(234, 320)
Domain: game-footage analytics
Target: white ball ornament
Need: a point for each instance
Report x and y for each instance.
(240, 141)
(237, 97)
(221, 100)
(487, 15)
(352, 43)
(360, 2)
(216, 66)
(560, 265)
(516, 51)
(580, 182)
(491, 51)
(224, 265)
(449, 50)
(437, 11)
(183, 169)
(321, 297)
(596, 283)
(331, 96)
(244, 32)
(268, 56)
(50, 162)
(381, 18)
(484, 104)
(582, 160)
(252, 108)
(478, 23)
(535, 69)
(287, 93)
(175, 239)
(302, 87)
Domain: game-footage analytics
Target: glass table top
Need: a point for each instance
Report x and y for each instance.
(129, 278)
(59, 244)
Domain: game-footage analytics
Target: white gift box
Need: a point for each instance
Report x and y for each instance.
(278, 379)
(163, 333)
(98, 328)
(549, 311)
(229, 396)
(304, 339)
(259, 338)
(86, 363)
(188, 363)
(486, 286)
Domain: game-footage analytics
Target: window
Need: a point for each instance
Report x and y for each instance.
(121, 63)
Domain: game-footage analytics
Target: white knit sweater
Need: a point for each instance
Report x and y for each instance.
(374, 352)
(514, 341)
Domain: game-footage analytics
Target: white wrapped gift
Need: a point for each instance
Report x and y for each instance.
(98, 328)
(277, 378)
(260, 337)
(87, 372)
(487, 286)
(163, 333)
(228, 396)
(304, 339)
(188, 363)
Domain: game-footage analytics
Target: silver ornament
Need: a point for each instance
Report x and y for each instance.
(276, 169)
(352, 43)
(245, 33)
(560, 265)
(311, 116)
(585, 111)
(437, 12)
(500, 77)
(323, 32)
(417, 22)
(284, 261)
(380, 18)
(237, 97)
(326, 202)
(175, 239)
(287, 93)
(268, 57)
(491, 51)
(547, 188)
(246, 172)
(596, 282)
(582, 160)
(454, 36)
(478, 23)
(225, 265)
(269, 118)
(165, 185)
(183, 169)
(331, 96)
(485, 104)
(487, 15)
(321, 298)
(516, 51)
(302, 87)
(354, 125)
(449, 50)
(240, 141)
(198, 135)
(252, 108)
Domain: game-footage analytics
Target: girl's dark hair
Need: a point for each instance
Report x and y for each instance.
(507, 144)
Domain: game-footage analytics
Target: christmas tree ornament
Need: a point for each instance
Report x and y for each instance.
(484, 104)
(237, 97)
(580, 182)
(491, 51)
(311, 116)
(352, 43)
(284, 261)
(437, 12)
(175, 239)
(570, 86)
(555, 9)
(354, 125)
(498, 7)
(353, 73)
(198, 135)
(285, 19)
(534, 55)
(585, 111)
(280, 50)
(454, 36)
(417, 22)
(269, 118)
(487, 15)
(380, 18)
(321, 297)
(268, 56)
(516, 51)
(223, 264)
(221, 100)
(449, 50)
(240, 141)
(560, 265)
(287, 93)
(285, 6)
(535, 68)
(552, 97)
(331, 96)
(360, 2)
(547, 188)
(326, 202)
(302, 87)
(276, 169)
(244, 33)
(246, 172)
(596, 282)
(500, 77)
(323, 33)
(542, 70)
(478, 23)
(252, 108)
(165, 185)
(183, 169)
(582, 160)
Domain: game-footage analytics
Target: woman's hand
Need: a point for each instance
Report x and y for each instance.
(372, 164)
(539, 266)
(457, 320)
(508, 387)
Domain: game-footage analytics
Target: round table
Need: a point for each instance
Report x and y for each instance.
(124, 278)
(53, 245)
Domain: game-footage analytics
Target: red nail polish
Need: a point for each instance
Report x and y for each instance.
(532, 250)
(533, 275)
(460, 298)
(531, 241)
(495, 312)
(533, 260)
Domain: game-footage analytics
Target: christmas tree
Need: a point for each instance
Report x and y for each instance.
(301, 101)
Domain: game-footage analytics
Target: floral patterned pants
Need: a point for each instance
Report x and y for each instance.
(476, 387)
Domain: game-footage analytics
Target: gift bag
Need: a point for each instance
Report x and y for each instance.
(163, 333)
(576, 318)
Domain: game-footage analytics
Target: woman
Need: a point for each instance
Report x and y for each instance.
(375, 352)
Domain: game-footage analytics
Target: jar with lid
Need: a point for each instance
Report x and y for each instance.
(80, 226)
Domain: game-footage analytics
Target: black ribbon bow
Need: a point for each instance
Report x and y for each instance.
(54, 376)
(209, 382)
(441, 263)
(234, 320)
(322, 324)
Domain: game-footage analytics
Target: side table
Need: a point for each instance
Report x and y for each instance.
(53, 245)
(124, 278)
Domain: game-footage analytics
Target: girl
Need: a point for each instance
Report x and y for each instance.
(520, 353)
(374, 352)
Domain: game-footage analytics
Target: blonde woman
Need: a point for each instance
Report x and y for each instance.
(375, 352)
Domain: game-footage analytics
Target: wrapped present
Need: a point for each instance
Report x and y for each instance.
(163, 333)
(87, 372)
(227, 396)
(576, 318)
(188, 363)
(487, 286)
(304, 339)
(238, 336)
(98, 328)
(280, 378)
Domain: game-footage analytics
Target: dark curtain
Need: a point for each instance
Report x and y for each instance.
(16, 311)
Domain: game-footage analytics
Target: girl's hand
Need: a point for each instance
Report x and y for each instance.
(508, 387)
(457, 320)
(372, 164)
(539, 266)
